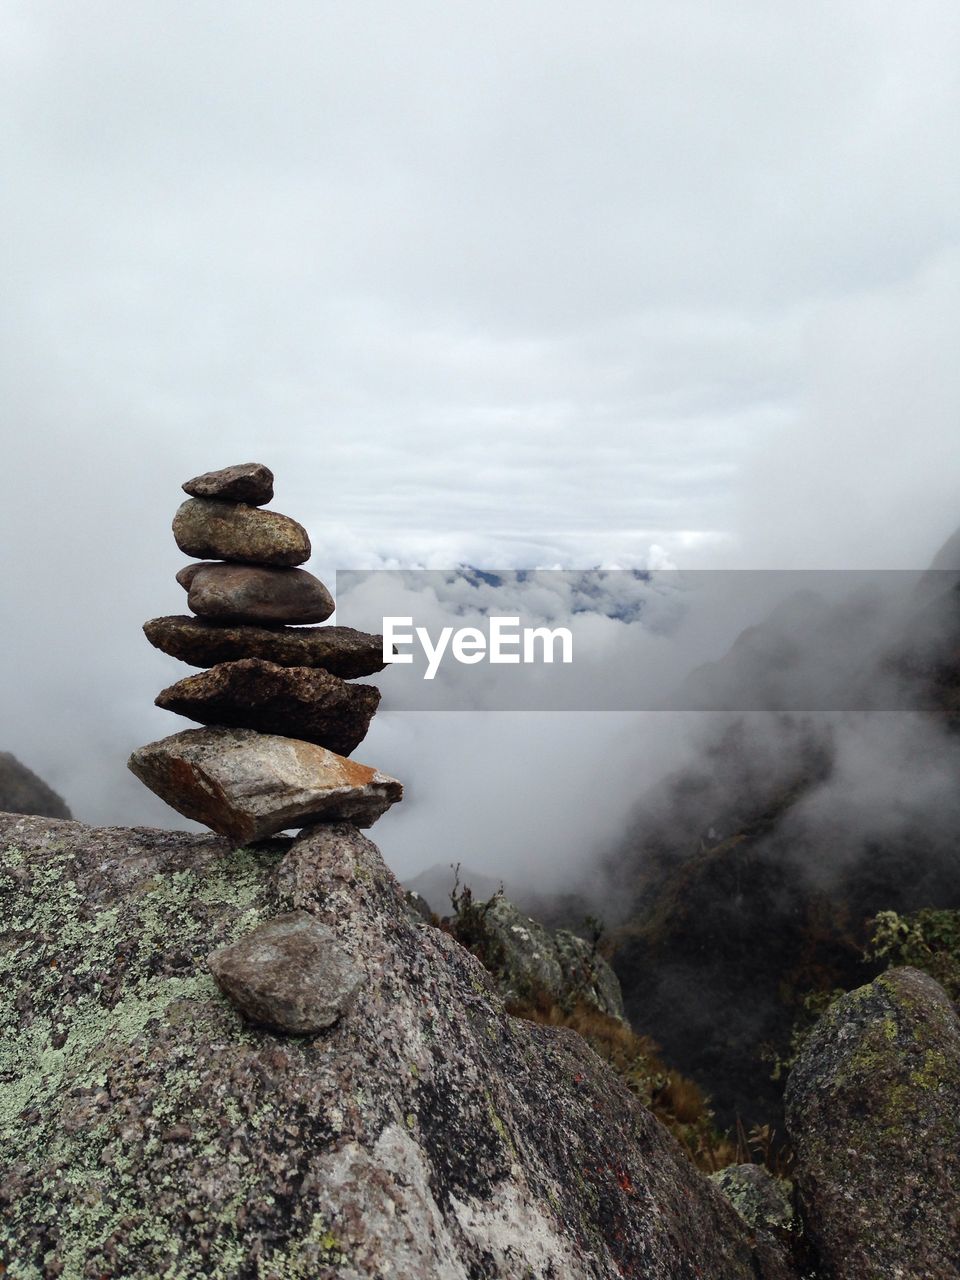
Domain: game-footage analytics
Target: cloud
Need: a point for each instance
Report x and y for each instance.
(496, 284)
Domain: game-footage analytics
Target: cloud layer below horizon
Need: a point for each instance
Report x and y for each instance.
(513, 285)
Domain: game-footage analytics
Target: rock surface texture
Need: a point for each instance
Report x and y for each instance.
(21, 791)
(341, 650)
(298, 702)
(253, 593)
(761, 1199)
(211, 529)
(249, 785)
(148, 1131)
(249, 482)
(873, 1108)
(535, 963)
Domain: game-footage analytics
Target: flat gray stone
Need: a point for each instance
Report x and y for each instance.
(257, 593)
(215, 530)
(288, 974)
(340, 650)
(297, 702)
(248, 785)
(249, 482)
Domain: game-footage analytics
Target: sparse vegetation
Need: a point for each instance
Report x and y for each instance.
(676, 1101)
(928, 939)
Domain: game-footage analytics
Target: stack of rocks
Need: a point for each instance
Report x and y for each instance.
(281, 712)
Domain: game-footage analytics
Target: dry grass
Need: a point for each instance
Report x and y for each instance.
(677, 1102)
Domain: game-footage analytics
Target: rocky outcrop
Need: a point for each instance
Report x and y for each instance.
(873, 1108)
(532, 963)
(21, 791)
(147, 1130)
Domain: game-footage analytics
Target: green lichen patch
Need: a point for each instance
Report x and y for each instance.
(109, 1071)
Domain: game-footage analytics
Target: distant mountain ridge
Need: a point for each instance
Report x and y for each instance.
(22, 791)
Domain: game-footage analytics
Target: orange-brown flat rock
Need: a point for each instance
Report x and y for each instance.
(248, 785)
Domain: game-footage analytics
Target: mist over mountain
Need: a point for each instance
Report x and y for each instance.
(747, 881)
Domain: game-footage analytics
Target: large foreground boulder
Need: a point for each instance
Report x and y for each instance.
(147, 1130)
(873, 1108)
(21, 791)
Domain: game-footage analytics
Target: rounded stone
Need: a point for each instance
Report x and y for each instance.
(288, 974)
(215, 530)
(257, 594)
(249, 482)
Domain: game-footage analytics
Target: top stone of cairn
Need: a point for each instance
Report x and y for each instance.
(249, 482)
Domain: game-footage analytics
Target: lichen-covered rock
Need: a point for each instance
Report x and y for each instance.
(213, 530)
(249, 785)
(342, 651)
(873, 1108)
(762, 1200)
(147, 1130)
(288, 974)
(22, 791)
(532, 963)
(257, 593)
(295, 702)
(249, 482)
(586, 974)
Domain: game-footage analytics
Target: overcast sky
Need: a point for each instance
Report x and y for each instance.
(511, 283)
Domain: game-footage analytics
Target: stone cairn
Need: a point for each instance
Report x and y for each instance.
(281, 717)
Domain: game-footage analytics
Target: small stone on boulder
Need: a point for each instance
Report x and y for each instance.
(257, 594)
(215, 530)
(249, 482)
(248, 785)
(340, 650)
(297, 702)
(288, 974)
